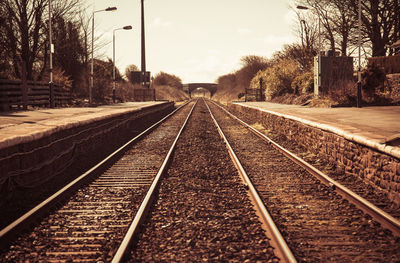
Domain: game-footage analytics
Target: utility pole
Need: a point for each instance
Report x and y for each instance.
(143, 49)
(51, 85)
(359, 94)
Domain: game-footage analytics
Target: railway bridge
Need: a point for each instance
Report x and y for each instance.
(189, 87)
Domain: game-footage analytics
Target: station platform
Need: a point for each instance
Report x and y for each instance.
(25, 126)
(376, 127)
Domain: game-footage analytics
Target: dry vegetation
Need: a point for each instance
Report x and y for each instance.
(283, 79)
(288, 76)
(170, 93)
(168, 87)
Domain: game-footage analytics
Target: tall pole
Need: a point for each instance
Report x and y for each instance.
(51, 87)
(91, 64)
(316, 89)
(125, 28)
(302, 33)
(143, 48)
(319, 34)
(113, 67)
(359, 95)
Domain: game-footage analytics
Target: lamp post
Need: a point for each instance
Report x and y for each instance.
(303, 30)
(92, 65)
(124, 28)
(51, 86)
(317, 87)
(319, 27)
(359, 95)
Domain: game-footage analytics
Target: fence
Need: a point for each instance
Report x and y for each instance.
(144, 94)
(254, 95)
(390, 64)
(34, 93)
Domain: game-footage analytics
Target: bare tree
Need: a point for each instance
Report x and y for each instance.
(380, 21)
(5, 66)
(25, 28)
(302, 55)
(251, 64)
(165, 79)
(25, 34)
(337, 21)
(345, 23)
(308, 32)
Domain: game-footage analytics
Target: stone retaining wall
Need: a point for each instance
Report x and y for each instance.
(393, 81)
(380, 170)
(29, 165)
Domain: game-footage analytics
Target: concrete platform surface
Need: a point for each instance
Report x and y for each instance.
(24, 126)
(377, 127)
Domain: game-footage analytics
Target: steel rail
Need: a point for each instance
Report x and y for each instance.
(282, 249)
(385, 219)
(147, 201)
(15, 226)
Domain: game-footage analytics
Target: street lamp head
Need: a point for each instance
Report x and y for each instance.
(111, 8)
(302, 7)
(127, 27)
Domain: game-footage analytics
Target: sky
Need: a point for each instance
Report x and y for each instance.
(196, 40)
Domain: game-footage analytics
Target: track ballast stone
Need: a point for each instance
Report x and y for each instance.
(203, 212)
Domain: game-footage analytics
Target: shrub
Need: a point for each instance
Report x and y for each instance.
(165, 79)
(303, 83)
(372, 79)
(250, 66)
(390, 64)
(344, 93)
(277, 79)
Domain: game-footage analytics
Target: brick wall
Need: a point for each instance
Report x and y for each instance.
(375, 168)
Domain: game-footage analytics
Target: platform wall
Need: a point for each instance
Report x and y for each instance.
(29, 165)
(378, 169)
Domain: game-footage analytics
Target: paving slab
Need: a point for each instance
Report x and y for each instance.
(24, 126)
(376, 127)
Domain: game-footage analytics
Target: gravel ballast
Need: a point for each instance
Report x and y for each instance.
(202, 212)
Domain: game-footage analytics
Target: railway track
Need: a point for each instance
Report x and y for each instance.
(317, 223)
(89, 225)
(202, 212)
(198, 205)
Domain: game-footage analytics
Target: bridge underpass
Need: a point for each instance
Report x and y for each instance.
(190, 87)
(200, 92)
